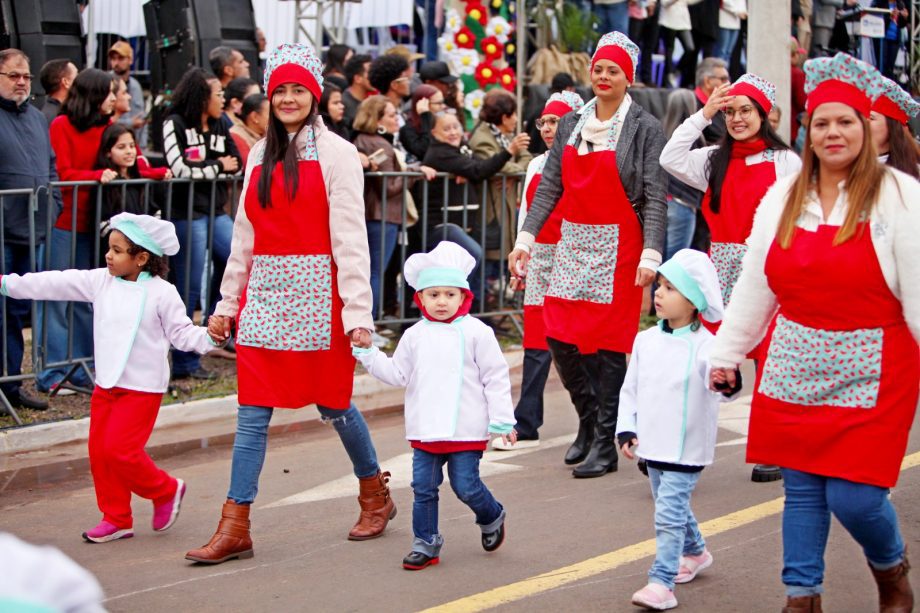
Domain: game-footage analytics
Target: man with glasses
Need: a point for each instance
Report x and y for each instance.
(26, 162)
(711, 73)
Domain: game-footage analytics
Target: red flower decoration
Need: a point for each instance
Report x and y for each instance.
(465, 38)
(491, 48)
(486, 74)
(478, 12)
(508, 79)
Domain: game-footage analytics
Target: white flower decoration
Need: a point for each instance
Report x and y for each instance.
(473, 101)
(463, 61)
(452, 22)
(499, 28)
(447, 46)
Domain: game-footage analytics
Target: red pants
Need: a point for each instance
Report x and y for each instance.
(119, 427)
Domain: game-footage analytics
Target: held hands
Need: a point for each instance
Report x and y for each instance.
(718, 100)
(722, 379)
(517, 265)
(627, 448)
(644, 276)
(108, 175)
(360, 338)
(519, 143)
(219, 328)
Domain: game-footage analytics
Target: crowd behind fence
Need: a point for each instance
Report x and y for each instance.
(421, 227)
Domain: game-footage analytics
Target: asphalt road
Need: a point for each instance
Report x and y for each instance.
(572, 544)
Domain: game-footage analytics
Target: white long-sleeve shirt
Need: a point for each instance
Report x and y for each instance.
(133, 323)
(894, 225)
(456, 380)
(728, 14)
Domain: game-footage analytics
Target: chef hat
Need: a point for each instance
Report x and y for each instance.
(294, 63)
(561, 103)
(447, 265)
(157, 236)
(841, 78)
(755, 88)
(896, 103)
(694, 276)
(616, 47)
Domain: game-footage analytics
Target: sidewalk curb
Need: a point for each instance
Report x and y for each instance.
(43, 436)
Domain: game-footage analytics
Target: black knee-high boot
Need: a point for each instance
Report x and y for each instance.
(570, 366)
(607, 370)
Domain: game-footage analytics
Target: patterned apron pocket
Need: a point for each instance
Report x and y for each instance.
(538, 273)
(586, 258)
(727, 257)
(813, 367)
(288, 303)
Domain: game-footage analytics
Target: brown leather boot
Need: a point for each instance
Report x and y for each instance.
(803, 604)
(894, 592)
(377, 508)
(231, 539)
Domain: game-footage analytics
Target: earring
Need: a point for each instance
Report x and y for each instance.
(381, 130)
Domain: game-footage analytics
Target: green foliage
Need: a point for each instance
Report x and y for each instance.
(576, 28)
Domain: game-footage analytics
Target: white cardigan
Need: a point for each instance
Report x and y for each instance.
(133, 323)
(894, 226)
(534, 168)
(690, 165)
(456, 379)
(665, 399)
(675, 15)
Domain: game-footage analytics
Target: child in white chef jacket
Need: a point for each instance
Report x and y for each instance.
(457, 394)
(137, 314)
(667, 408)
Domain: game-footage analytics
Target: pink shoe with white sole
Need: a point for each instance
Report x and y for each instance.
(691, 566)
(105, 532)
(656, 597)
(165, 515)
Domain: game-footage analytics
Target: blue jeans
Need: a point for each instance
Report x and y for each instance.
(726, 45)
(676, 530)
(427, 476)
(681, 224)
(188, 266)
(380, 234)
(16, 260)
(529, 410)
(252, 439)
(53, 314)
(613, 17)
(864, 510)
(455, 234)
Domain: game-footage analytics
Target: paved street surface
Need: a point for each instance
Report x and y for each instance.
(573, 545)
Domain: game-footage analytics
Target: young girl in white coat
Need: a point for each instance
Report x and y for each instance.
(457, 394)
(668, 410)
(137, 314)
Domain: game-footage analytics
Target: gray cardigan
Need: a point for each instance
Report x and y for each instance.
(645, 182)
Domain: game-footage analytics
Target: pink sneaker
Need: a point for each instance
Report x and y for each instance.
(105, 532)
(691, 566)
(655, 596)
(165, 515)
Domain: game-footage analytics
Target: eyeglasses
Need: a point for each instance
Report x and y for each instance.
(549, 121)
(401, 80)
(437, 103)
(744, 113)
(721, 78)
(16, 76)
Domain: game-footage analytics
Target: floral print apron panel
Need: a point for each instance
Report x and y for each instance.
(585, 261)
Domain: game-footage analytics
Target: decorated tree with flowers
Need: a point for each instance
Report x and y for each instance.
(478, 45)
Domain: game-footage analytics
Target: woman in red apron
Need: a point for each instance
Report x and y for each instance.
(835, 250)
(537, 359)
(297, 289)
(734, 175)
(602, 174)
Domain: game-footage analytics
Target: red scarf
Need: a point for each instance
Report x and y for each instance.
(464, 309)
(701, 96)
(744, 149)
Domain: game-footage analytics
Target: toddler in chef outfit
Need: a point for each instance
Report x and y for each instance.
(137, 314)
(457, 394)
(667, 408)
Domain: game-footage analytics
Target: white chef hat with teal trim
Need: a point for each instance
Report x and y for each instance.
(157, 236)
(447, 265)
(694, 276)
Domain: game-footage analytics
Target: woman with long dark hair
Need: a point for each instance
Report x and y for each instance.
(336, 58)
(198, 146)
(332, 110)
(834, 263)
(891, 133)
(297, 289)
(75, 136)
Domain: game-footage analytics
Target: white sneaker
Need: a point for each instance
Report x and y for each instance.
(656, 597)
(500, 445)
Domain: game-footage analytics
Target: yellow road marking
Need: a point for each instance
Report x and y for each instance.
(614, 559)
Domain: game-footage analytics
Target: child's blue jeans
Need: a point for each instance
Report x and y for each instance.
(252, 439)
(676, 530)
(463, 471)
(864, 510)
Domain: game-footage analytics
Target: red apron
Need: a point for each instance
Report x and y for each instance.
(593, 301)
(539, 271)
(292, 350)
(842, 371)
